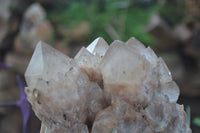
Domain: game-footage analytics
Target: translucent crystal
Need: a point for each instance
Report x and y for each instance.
(121, 88)
(120, 118)
(133, 42)
(89, 64)
(96, 101)
(165, 74)
(159, 114)
(98, 47)
(178, 124)
(124, 72)
(148, 53)
(57, 89)
(89, 59)
(44, 62)
(171, 90)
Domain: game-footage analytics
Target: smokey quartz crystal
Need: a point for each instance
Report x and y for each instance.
(121, 88)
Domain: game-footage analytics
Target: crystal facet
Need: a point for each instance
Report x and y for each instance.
(98, 47)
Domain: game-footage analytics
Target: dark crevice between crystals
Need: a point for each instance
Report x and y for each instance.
(89, 125)
(64, 117)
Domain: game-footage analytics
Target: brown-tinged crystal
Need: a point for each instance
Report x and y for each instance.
(121, 88)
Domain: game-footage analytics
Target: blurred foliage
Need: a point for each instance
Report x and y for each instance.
(193, 9)
(124, 18)
(120, 19)
(173, 12)
(177, 11)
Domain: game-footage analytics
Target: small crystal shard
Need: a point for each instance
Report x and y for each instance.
(121, 88)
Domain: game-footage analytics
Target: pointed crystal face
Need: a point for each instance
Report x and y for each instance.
(51, 77)
(149, 54)
(44, 62)
(36, 66)
(135, 43)
(98, 47)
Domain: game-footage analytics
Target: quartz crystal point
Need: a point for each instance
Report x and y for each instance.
(57, 89)
(121, 88)
(89, 58)
(98, 47)
(127, 75)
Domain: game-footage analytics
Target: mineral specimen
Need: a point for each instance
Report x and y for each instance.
(121, 88)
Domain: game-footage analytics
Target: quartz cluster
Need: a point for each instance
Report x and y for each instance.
(121, 88)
